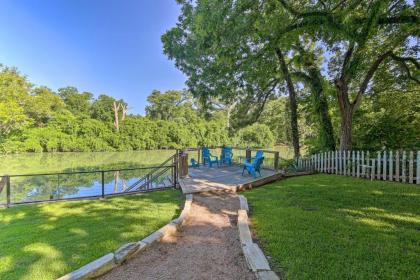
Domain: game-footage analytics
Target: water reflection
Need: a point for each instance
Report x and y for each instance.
(74, 185)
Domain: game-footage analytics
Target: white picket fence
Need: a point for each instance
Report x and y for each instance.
(399, 166)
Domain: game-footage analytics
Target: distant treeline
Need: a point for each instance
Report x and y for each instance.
(37, 119)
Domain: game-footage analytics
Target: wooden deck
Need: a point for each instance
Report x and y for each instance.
(226, 178)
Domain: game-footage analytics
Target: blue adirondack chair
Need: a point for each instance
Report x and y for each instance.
(226, 156)
(258, 155)
(194, 163)
(253, 167)
(208, 158)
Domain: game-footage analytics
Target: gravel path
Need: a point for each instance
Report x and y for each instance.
(207, 247)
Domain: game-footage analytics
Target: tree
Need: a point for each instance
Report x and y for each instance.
(292, 101)
(277, 118)
(102, 108)
(256, 135)
(170, 106)
(352, 32)
(307, 70)
(43, 104)
(226, 49)
(77, 102)
(14, 89)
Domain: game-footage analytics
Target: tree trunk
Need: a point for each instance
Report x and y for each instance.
(320, 103)
(116, 109)
(346, 129)
(346, 110)
(293, 104)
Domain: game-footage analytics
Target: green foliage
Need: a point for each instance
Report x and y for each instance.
(227, 50)
(275, 116)
(336, 227)
(77, 102)
(102, 108)
(256, 135)
(384, 123)
(35, 119)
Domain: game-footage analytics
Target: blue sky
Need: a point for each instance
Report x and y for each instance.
(100, 46)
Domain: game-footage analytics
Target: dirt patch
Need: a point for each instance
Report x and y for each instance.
(207, 247)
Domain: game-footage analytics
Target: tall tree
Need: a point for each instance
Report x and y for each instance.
(14, 96)
(77, 102)
(226, 49)
(307, 70)
(292, 101)
(361, 36)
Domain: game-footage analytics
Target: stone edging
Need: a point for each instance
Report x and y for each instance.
(108, 262)
(255, 258)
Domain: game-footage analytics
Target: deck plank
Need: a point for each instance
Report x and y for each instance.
(226, 178)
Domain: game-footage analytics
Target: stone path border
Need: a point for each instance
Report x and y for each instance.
(255, 258)
(109, 261)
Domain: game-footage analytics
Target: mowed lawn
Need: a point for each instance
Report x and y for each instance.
(336, 227)
(46, 241)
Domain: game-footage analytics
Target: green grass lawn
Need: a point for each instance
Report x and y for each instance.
(49, 240)
(336, 227)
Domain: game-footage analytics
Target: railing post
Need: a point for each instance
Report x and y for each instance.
(276, 161)
(248, 154)
(7, 191)
(58, 186)
(183, 164)
(175, 168)
(103, 183)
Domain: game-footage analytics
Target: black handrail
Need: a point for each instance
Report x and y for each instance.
(83, 172)
(150, 174)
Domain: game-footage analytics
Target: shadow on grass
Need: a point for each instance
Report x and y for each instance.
(328, 226)
(46, 241)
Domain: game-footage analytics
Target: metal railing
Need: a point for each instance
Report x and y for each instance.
(43, 187)
(155, 174)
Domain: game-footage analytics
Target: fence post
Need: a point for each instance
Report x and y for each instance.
(403, 168)
(339, 162)
(276, 161)
(372, 171)
(175, 169)
(183, 164)
(391, 166)
(7, 191)
(384, 167)
(328, 162)
(378, 171)
(418, 168)
(148, 181)
(358, 165)
(410, 168)
(58, 186)
(103, 183)
(336, 162)
(344, 163)
(248, 154)
(397, 166)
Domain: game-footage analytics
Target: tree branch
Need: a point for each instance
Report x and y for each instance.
(403, 62)
(346, 62)
(264, 101)
(368, 77)
(400, 19)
